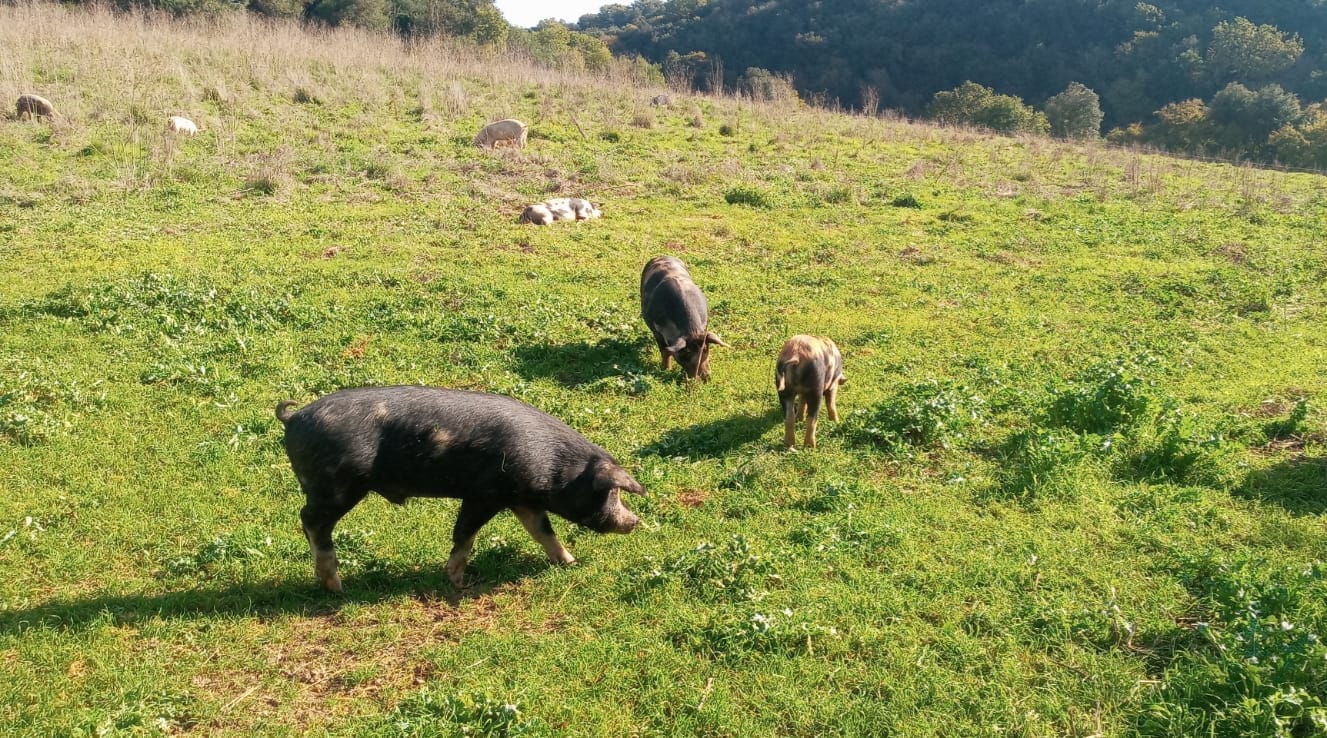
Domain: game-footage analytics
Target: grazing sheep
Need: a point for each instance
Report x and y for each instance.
(30, 105)
(661, 101)
(508, 130)
(559, 208)
(180, 124)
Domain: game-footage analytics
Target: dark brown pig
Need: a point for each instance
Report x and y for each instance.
(492, 452)
(676, 312)
(809, 369)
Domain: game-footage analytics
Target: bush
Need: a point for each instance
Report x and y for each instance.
(1108, 396)
(750, 197)
(926, 414)
(973, 104)
(1075, 113)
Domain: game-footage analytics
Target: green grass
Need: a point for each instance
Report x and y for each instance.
(1079, 480)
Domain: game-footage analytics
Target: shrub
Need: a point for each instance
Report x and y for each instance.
(750, 197)
(1075, 113)
(1105, 397)
(926, 414)
(973, 104)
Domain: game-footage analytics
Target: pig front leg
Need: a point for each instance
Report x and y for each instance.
(539, 527)
(472, 516)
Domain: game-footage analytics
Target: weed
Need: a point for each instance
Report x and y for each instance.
(737, 632)
(427, 713)
(1261, 660)
(1107, 396)
(929, 414)
(36, 406)
(146, 714)
(750, 197)
(905, 200)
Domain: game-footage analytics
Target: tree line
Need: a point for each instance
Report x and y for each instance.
(1242, 77)
(552, 44)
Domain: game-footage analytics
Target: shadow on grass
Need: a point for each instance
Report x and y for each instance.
(489, 570)
(1297, 484)
(578, 364)
(716, 437)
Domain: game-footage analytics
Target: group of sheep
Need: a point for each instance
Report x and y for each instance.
(31, 106)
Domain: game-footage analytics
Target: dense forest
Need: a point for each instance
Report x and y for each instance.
(1239, 78)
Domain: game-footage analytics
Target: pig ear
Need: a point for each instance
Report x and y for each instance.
(676, 346)
(713, 338)
(611, 476)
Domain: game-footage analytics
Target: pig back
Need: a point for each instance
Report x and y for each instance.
(425, 441)
(671, 303)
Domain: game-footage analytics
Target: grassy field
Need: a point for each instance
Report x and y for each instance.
(1077, 489)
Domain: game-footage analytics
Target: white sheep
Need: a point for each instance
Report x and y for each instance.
(508, 130)
(180, 124)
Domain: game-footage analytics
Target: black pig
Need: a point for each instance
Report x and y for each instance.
(492, 452)
(676, 312)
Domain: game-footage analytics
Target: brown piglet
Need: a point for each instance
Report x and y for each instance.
(809, 370)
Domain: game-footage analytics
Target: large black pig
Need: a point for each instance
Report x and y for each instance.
(677, 314)
(492, 452)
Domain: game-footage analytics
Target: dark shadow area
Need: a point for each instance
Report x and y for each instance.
(716, 437)
(1297, 484)
(489, 570)
(579, 364)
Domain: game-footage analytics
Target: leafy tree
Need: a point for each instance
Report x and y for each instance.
(1183, 126)
(974, 104)
(1075, 113)
(1304, 145)
(1241, 50)
(761, 84)
(1245, 118)
(960, 105)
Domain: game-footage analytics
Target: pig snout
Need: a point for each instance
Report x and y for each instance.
(625, 522)
(614, 518)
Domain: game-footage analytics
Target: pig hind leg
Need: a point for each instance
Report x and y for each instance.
(831, 396)
(812, 409)
(788, 399)
(319, 516)
(472, 516)
(539, 527)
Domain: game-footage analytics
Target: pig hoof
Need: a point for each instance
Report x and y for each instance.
(456, 573)
(332, 583)
(565, 559)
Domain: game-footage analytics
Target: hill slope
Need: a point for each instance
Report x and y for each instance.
(1074, 487)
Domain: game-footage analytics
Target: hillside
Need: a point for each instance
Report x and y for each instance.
(1078, 488)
